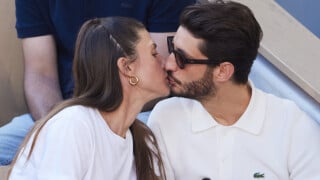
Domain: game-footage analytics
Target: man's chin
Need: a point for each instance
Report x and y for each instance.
(176, 91)
(176, 94)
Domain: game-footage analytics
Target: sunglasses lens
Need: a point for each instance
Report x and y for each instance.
(179, 59)
(170, 44)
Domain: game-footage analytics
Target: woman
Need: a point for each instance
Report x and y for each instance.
(95, 135)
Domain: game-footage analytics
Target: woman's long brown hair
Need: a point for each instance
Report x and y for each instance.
(100, 43)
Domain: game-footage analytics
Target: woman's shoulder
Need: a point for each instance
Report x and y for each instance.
(73, 117)
(75, 111)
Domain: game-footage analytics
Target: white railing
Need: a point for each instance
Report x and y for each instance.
(288, 45)
(290, 61)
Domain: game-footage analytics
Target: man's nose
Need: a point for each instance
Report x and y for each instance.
(170, 63)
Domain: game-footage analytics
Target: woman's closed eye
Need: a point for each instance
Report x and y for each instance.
(155, 54)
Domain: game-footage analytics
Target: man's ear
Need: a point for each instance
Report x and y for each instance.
(224, 71)
(123, 65)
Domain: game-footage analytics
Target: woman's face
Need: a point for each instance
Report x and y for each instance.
(149, 68)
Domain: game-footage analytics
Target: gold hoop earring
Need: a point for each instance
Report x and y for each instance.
(133, 80)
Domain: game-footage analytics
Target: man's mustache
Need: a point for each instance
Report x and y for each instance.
(173, 78)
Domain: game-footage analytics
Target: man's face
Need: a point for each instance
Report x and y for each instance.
(194, 80)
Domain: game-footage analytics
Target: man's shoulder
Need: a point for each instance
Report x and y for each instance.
(172, 111)
(278, 102)
(175, 103)
(283, 109)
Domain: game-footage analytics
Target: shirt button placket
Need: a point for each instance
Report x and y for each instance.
(225, 139)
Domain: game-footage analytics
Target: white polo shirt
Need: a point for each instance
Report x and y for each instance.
(273, 140)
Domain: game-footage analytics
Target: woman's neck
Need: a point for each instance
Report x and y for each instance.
(123, 117)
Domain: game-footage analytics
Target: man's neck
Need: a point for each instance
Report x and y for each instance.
(229, 103)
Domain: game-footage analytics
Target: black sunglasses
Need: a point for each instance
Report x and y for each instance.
(181, 60)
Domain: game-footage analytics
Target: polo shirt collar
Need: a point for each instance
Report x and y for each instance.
(251, 120)
(200, 118)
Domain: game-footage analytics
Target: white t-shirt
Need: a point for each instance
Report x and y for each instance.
(77, 144)
(272, 140)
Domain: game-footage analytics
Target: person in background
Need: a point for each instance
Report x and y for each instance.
(48, 30)
(221, 126)
(95, 134)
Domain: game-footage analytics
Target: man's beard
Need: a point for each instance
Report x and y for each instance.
(199, 89)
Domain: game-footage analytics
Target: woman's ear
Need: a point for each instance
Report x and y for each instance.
(224, 71)
(123, 65)
(126, 69)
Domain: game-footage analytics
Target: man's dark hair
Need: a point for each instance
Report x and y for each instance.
(229, 31)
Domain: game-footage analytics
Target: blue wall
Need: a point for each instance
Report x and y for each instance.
(267, 77)
(306, 11)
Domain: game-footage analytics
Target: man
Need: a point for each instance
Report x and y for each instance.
(48, 29)
(228, 129)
